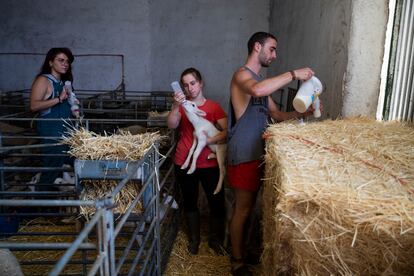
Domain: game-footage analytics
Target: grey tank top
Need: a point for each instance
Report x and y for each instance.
(244, 140)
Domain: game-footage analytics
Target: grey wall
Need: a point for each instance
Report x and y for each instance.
(210, 35)
(314, 34)
(342, 40)
(366, 52)
(157, 38)
(87, 27)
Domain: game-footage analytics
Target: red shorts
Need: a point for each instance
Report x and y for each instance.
(246, 176)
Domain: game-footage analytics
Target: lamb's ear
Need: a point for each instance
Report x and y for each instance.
(201, 113)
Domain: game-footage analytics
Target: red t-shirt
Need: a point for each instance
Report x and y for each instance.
(214, 113)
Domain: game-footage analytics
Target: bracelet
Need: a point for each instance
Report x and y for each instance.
(292, 73)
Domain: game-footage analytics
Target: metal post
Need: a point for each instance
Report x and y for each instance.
(2, 188)
(155, 159)
(110, 238)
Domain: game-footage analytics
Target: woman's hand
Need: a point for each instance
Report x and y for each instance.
(64, 94)
(179, 97)
(174, 117)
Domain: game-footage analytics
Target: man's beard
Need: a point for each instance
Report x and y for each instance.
(263, 62)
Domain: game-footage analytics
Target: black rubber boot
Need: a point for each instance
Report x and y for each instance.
(193, 221)
(216, 236)
(239, 268)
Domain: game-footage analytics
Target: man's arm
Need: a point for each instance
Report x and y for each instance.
(266, 87)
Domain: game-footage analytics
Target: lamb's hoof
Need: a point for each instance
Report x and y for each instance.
(212, 155)
(183, 167)
(191, 170)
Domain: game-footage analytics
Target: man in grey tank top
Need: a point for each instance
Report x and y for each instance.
(250, 107)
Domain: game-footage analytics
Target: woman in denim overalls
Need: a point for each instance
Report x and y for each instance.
(49, 98)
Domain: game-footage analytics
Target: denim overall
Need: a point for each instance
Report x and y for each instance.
(53, 129)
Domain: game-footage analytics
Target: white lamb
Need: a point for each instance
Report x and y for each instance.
(72, 100)
(203, 129)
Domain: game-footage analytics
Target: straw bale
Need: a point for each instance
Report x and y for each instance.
(339, 198)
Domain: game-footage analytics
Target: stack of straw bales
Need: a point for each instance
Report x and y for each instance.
(124, 146)
(339, 198)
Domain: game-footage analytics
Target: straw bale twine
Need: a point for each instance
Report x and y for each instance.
(339, 198)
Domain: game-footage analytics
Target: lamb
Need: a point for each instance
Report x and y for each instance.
(9, 264)
(203, 129)
(72, 100)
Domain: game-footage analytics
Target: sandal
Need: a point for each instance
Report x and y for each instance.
(241, 269)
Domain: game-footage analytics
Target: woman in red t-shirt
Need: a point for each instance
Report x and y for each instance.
(207, 171)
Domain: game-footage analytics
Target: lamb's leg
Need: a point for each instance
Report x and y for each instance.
(190, 153)
(221, 157)
(211, 155)
(201, 143)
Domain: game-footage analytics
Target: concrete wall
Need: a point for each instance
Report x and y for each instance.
(314, 34)
(365, 51)
(210, 35)
(87, 27)
(157, 38)
(343, 41)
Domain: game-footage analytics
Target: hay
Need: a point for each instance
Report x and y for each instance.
(94, 189)
(87, 145)
(339, 198)
(49, 228)
(53, 229)
(156, 118)
(156, 114)
(204, 263)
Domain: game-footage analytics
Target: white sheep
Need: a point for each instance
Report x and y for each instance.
(203, 129)
(9, 264)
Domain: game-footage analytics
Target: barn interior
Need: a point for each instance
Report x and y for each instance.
(126, 56)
